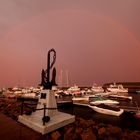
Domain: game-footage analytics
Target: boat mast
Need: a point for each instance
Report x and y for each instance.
(61, 78)
(67, 78)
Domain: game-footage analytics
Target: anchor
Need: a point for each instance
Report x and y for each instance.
(45, 75)
(46, 110)
(48, 85)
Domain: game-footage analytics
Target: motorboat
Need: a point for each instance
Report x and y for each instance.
(117, 88)
(74, 90)
(29, 95)
(108, 110)
(103, 94)
(100, 100)
(120, 97)
(96, 89)
(80, 99)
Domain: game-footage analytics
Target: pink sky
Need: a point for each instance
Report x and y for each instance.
(95, 41)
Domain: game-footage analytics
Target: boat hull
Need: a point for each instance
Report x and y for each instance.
(107, 102)
(107, 111)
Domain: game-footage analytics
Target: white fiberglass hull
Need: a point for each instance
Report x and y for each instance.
(121, 97)
(97, 90)
(107, 102)
(117, 90)
(80, 98)
(107, 111)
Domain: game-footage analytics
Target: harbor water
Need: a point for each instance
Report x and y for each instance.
(126, 120)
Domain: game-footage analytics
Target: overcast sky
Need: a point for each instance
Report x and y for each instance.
(96, 41)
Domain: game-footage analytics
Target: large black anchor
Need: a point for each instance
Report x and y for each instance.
(45, 80)
(45, 75)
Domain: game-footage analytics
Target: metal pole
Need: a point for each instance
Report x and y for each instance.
(44, 114)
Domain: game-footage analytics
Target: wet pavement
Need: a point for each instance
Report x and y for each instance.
(13, 130)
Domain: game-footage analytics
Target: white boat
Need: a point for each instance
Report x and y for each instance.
(80, 99)
(117, 88)
(107, 110)
(99, 100)
(103, 94)
(97, 89)
(121, 97)
(75, 90)
(29, 95)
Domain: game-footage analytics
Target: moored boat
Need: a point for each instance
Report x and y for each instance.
(108, 110)
(99, 100)
(117, 88)
(96, 89)
(75, 91)
(80, 98)
(120, 97)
